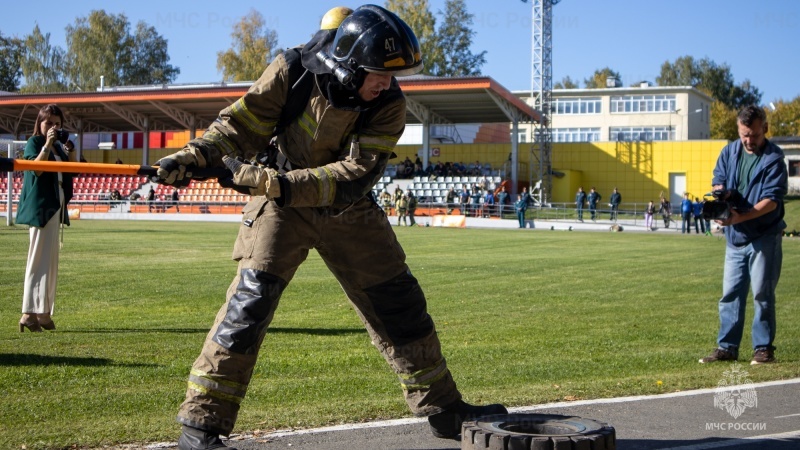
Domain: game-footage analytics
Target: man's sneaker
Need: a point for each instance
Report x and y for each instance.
(447, 424)
(194, 439)
(719, 354)
(763, 355)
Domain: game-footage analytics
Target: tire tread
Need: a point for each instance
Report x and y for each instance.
(597, 436)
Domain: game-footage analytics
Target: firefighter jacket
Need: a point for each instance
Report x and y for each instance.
(402, 204)
(326, 168)
(386, 199)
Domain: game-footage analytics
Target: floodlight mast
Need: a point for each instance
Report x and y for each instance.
(541, 97)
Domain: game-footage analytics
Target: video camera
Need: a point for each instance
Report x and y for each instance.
(718, 208)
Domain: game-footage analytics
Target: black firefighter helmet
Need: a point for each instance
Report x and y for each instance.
(372, 39)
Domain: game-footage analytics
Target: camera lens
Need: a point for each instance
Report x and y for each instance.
(62, 136)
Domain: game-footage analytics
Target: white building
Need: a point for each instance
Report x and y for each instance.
(643, 113)
(791, 148)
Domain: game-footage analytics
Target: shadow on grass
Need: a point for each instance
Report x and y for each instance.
(136, 330)
(22, 359)
(117, 231)
(271, 330)
(317, 331)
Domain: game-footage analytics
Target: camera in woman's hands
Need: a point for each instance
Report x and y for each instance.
(62, 136)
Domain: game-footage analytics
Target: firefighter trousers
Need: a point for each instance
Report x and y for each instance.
(361, 250)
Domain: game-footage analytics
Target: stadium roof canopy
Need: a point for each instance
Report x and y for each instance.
(431, 100)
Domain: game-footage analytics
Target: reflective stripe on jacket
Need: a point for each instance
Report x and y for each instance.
(317, 143)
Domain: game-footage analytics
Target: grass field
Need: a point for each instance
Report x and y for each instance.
(525, 317)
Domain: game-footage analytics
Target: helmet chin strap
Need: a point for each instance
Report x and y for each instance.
(358, 79)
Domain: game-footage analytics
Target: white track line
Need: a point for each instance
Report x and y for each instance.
(519, 409)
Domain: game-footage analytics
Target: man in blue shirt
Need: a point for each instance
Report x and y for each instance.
(488, 203)
(520, 207)
(686, 214)
(616, 199)
(502, 199)
(593, 198)
(464, 200)
(526, 196)
(580, 199)
(697, 211)
(753, 173)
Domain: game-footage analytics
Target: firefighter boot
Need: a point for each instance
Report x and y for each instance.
(447, 424)
(194, 439)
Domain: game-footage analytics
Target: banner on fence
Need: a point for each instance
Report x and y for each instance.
(455, 221)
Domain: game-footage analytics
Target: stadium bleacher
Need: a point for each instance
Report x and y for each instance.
(94, 188)
(207, 191)
(16, 183)
(435, 191)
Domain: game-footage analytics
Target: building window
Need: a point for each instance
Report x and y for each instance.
(794, 168)
(641, 134)
(576, 134)
(642, 104)
(578, 105)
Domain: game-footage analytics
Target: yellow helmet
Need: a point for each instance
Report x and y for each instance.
(334, 17)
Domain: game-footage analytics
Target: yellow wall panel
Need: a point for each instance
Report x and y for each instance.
(640, 170)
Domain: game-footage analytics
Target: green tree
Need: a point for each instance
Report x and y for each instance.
(254, 46)
(417, 14)
(41, 64)
(102, 45)
(680, 73)
(600, 77)
(745, 94)
(784, 119)
(716, 80)
(566, 83)
(723, 122)
(10, 70)
(149, 58)
(98, 45)
(455, 40)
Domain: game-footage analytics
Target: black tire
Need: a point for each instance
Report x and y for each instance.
(536, 432)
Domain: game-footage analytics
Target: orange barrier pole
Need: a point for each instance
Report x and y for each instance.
(9, 165)
(76, 167)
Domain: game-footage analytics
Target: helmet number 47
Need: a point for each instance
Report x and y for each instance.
(388, 44)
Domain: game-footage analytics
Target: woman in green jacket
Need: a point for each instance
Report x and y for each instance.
(43, 205)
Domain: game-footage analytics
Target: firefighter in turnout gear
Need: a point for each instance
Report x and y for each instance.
(313, 193)
(402, 210)
(385, 200)
(412, 209)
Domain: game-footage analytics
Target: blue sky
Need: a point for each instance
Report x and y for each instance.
(759, 40)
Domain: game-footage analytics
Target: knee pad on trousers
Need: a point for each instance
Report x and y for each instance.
(400, 305)
(249, 310)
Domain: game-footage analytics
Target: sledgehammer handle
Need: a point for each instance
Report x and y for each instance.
(9, 165)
